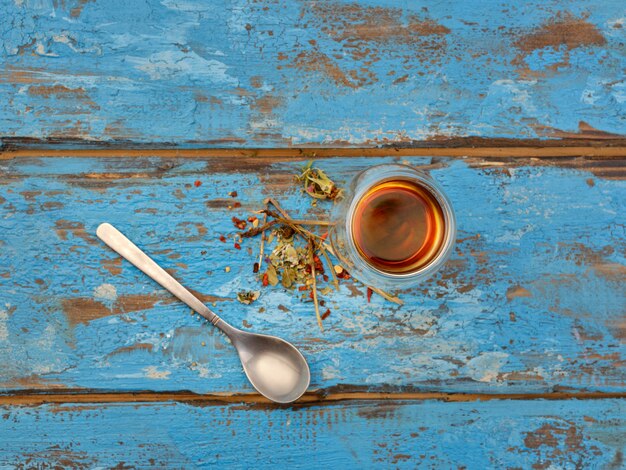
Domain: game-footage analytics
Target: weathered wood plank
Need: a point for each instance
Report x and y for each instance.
(532, 300)
(546, 150)
(277, 73)
(321, 397)
(531, 434)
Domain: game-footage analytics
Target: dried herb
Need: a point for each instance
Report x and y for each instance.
(240, 224)
(317, 184)
(285, 232)
(247, 297)
(386, 296)
(254, 231)
(299, 257)
(262, 242)
(314, 287)
(289, 276)
(325, 290)
(272, 275)
(341, 273)
(291, 262)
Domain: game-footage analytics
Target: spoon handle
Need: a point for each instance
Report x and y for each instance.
(127, 249)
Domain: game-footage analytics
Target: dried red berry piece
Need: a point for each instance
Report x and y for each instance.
(240, 224)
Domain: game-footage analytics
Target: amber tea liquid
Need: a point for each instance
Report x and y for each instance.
(398, 226)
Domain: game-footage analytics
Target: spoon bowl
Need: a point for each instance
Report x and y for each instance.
(273, 366)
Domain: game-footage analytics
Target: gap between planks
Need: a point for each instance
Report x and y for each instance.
(322, 397)
(503, 151)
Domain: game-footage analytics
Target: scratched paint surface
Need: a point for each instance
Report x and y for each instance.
(526, 434)
(532, 299)
(272, 73)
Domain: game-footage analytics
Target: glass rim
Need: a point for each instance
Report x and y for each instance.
(378, 174)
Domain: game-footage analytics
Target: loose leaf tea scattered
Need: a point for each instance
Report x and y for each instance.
(317, 184)
(299, 257)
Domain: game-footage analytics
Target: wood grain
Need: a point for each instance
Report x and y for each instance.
(295, 73)
(148, 114)
(521, 434)
(323, 397)
(531, 302)
(485, 148)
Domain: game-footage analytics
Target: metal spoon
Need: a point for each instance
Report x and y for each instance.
(273, 366)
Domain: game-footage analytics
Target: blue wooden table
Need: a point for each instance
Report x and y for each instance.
(148, 114)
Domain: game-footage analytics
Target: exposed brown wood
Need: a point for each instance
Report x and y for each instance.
(609, 166)
(328, 396)
(496, 149)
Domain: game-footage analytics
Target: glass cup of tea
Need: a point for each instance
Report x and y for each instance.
(394, 228)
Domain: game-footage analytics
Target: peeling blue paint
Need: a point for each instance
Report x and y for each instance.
(532, 299)
(196, 73)
(521, 434)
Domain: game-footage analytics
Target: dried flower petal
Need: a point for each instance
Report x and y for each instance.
(288, 277)
(247, 297)
(240, 224)
(317, 184)
(272, 276)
